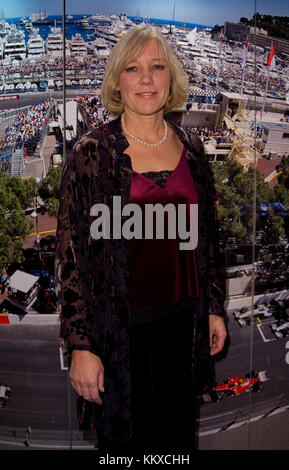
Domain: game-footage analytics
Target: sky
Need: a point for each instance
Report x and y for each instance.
(205, 12)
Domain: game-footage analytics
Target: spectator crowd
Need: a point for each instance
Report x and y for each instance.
(26, 126)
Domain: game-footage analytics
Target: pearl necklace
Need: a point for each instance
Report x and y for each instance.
(142, 141)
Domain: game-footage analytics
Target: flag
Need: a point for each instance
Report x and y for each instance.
(271, 58)
(245, 54)
(221, 41)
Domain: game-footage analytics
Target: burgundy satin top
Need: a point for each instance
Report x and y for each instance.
(160, 272)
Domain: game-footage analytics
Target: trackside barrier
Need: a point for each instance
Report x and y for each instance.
(30, 319)
(4, 319)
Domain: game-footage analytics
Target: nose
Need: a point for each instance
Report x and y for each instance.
(146, 76)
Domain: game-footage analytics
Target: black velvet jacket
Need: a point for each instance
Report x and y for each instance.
(93, 275)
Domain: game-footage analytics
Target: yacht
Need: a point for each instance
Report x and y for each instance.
(35, 44)
(119, 26)
(99, 46)
(1, 49)
(54, 43)
(38, 17)
(126, 20)
(78, 46)
(165, 30)
(4, 29)
(112, 33)
(102, 32)
(100, 19)
(14, 46)
(22, 21)
(28, 26)
(84, 23)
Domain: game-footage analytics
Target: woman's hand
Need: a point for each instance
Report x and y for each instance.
(86, 375)
(218, 334)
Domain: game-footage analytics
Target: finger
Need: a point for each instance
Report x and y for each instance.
(76, 386)
(94, 396)
(91, 394)
(88, 391)
(101, 381)
(213, 349)
(218, 342)
(85, 393)
(211, 340)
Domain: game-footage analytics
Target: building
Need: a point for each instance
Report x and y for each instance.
(236, 31)
(275, 139)
(23, 289)
(281, 46)
(241, 32)
(268, 168)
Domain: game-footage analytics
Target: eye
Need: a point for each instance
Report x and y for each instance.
(132, 68)
(158, 67)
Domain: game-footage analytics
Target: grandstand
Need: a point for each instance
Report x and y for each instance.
(21, 135)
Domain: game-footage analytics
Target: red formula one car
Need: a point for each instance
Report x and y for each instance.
(234, 386)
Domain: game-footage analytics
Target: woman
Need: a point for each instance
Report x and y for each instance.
(134, 312)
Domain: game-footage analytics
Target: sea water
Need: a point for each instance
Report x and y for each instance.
(72, 29)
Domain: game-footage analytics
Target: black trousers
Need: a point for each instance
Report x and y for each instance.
(163, 396)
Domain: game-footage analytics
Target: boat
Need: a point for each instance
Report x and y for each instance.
(4, 29)
(28, 26)
(27, 86)
(99, 46)
(35, 44)
(54, 43)
(84, 23)
(102, 32)
(126, 21)
(2, 43)
(38, 17)
(112, 33)
(22, 21)
(78, 46)
(14, 46)
(165, 30)
(100, 19)
(20, 86)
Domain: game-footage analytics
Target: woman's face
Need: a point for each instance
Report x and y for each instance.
(145, 83)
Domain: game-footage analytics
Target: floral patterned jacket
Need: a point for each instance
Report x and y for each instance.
(92, 276)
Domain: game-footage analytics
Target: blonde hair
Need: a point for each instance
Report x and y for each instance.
(130, 47)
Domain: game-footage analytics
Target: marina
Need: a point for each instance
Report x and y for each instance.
(224, 106)
(224, 88)
(31, 52)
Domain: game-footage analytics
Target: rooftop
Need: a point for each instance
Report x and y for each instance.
(234, 96)
(267, 168)
(22, 281)
(279, 125)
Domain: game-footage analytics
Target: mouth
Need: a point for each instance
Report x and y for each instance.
(146, 94)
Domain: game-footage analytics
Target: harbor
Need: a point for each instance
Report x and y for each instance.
(31, 56)
(239, 107)
(221, 105)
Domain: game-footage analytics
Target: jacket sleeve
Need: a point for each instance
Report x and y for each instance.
(217, 276)
(69, 276)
